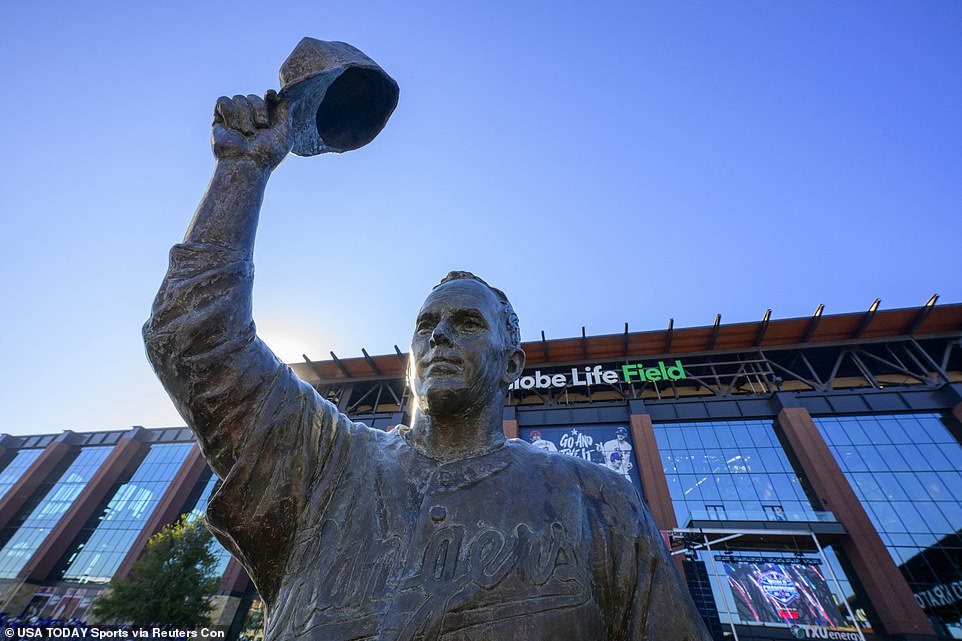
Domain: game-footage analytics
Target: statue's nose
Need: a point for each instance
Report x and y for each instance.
(441, 333)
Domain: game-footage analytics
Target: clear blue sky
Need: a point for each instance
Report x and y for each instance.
(602, 162)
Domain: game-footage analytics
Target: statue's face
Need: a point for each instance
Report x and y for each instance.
(460, 357)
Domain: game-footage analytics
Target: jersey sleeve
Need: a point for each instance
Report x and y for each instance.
(661, 606)
(265, 433)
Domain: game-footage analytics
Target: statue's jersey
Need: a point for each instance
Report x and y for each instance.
(351, 533)
(402, 547)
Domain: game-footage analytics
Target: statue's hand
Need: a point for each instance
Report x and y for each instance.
(248, 127)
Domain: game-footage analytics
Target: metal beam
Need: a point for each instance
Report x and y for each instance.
(804, 529)
(895, 356)
(358, 402)
(718, 383)
(671, 330)
(867, 318)
(813, 323)
(811, 369)
(795, 375)
(922, 315)
(907, 347)
(344, 397)
(714, 332)
(698, 546)
(314, 368)
(703, 383)
(930, 360)
(763, 328)
(544, 346)
(370, 362)
(731, 384)
(923, 377)
(866, 372)
(401, 357)
(830, 381)
(946, 353)
(340, 365)
(393, 394)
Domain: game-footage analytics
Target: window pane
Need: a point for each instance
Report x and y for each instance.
(909, 478)
(48, 512)
(126, 514)
(728, 464)
(15, 469)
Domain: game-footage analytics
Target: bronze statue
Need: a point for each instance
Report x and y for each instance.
(442, 531)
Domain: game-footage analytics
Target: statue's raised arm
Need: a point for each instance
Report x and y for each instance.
(200, 337)
(333, 98)
(248, 410)
(264, 432)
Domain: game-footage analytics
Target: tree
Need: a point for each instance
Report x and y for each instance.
(254, 626)
(170, 584)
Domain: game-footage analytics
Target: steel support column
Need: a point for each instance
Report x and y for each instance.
(891, 598)
(653, 482)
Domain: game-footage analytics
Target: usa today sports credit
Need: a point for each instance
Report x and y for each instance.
(71, 632)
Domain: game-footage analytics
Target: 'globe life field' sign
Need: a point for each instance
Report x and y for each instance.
(597, 375)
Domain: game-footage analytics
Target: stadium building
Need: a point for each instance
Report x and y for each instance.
(807, 473)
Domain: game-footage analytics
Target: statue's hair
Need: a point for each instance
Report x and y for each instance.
(512, 325)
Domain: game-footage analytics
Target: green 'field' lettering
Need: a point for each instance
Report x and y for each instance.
(636, 372)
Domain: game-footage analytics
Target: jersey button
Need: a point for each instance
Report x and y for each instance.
(438, 513)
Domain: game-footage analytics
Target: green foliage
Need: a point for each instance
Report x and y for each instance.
(170, 583)
(254, 625)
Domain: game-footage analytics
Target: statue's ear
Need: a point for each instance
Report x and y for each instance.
(514, 366)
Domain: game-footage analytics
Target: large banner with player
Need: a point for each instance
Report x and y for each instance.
(608, 445)
(772, 590)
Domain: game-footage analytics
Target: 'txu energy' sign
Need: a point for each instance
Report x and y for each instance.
(628, 373)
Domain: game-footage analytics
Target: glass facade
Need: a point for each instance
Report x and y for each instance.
(730, 470)
(126, 514)
(15, 469)
(907, 472)
(223, 556)
(48, 512)
(738, 471)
